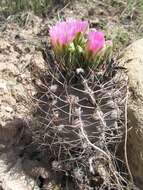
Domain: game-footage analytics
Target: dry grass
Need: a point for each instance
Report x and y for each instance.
(37, 6)
(13, 6)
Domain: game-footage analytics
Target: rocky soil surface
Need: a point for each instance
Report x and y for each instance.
(19, 55)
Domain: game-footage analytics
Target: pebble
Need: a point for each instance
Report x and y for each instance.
(8, 109)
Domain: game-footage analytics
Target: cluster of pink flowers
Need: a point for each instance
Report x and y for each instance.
(66, 32)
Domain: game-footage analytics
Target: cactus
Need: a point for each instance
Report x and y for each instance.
(81, 123)
(81, 116)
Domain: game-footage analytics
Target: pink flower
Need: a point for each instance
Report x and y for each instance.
(65, 32)
(96, 41)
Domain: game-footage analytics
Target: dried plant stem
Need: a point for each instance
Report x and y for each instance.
(99, 149)
(91, 94)
(86, 138)
(125, 144)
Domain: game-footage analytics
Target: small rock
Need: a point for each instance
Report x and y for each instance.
(9, 109)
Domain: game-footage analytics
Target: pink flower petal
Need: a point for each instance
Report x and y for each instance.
(96, 41)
